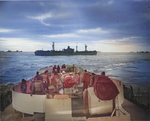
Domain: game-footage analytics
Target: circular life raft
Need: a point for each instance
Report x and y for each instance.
(69, 82)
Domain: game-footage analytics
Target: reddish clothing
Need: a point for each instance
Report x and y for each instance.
(23, 87)
(37, 87)
(63, 66)
(45, 80)
(38, 77)
(58, 69)
(86, 80)
(55, 72)
(92, 81)
(53, 80)
(54, 68)
(77, 78)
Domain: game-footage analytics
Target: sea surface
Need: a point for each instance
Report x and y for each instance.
(131, 68)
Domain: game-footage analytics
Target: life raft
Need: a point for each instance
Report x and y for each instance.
(104, 88)
(69, 82)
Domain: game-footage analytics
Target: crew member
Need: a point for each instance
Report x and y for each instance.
(86, 80)
(37, 85)
(45, 80)
(23, 86)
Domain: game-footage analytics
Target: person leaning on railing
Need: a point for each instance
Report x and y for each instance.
(37, 85)
(23, 86)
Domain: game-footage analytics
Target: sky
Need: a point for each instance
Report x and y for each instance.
(103, 25)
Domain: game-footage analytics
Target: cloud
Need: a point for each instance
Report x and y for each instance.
(24, 44)
(56, 17)
(41, 18)
(123, 41)
(61, 35)
(118, 45)
(7, 30)
(110, 2)
(147, 13)
(41, 3)
(82, 33)
(95, 31)
(141, 0)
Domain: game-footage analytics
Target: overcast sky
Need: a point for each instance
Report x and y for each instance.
(103, 25)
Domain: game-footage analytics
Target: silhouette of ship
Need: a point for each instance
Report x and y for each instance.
(14, 51)
(68, 51)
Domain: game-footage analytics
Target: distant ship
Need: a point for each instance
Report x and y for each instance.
(143, 52)
(14, 51)
(68, 51)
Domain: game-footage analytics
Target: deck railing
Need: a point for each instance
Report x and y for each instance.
(139, 98)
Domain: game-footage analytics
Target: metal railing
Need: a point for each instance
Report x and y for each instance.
(139, 98)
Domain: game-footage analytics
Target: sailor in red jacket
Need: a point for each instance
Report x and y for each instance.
(45, 80)
(86, 80)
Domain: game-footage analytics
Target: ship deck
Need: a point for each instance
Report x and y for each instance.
(136, 112)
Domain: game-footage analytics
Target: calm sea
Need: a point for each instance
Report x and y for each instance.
(131, 68)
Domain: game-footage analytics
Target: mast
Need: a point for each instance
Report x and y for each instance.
(76, 47)
(85, 47)
(53, 47)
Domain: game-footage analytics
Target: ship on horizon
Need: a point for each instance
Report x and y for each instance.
(68, 51)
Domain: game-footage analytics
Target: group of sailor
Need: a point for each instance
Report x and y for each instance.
(58, 79)
(41, 83)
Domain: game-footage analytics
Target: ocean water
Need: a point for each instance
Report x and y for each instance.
(131, 68)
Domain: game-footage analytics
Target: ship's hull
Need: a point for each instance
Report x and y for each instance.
(57, 53)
